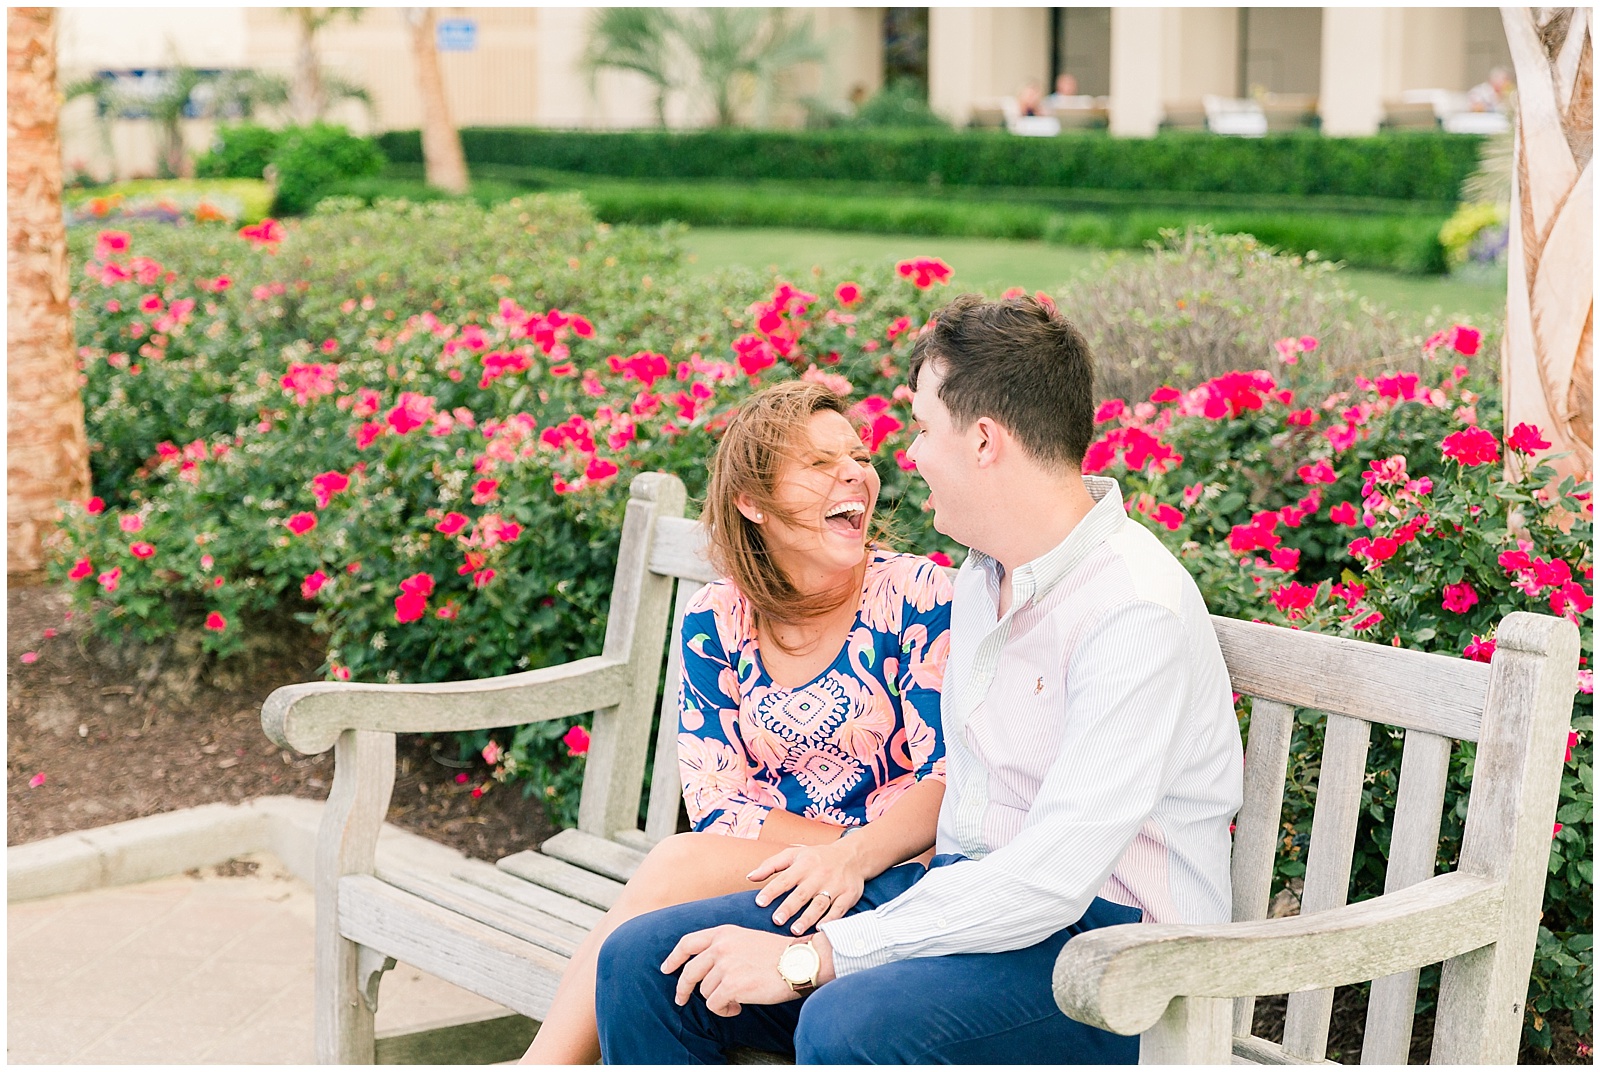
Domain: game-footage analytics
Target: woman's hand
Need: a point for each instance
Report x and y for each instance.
(823, 882)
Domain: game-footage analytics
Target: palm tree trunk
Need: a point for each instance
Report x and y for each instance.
(1547, 364)
(443, 163)
(307, 101)
(47, 452)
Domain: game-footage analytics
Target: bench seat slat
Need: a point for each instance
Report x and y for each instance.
(526, 893)
(562, 877)
(490, 909)
(595, 854)
(1392, 686)
(520, 975)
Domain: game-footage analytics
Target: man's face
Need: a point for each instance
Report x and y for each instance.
(943, 455)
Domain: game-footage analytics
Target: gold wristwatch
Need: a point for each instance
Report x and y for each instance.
(799, 965)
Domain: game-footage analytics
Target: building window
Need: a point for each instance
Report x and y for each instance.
(1081, 47)
(905, 46)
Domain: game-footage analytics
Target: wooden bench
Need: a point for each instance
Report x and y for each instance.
(505, 931)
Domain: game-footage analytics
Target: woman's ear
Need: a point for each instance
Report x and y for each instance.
(748, 508)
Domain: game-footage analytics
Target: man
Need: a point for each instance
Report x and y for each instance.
(1094, 761)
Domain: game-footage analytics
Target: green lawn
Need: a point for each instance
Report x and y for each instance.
(992, 265)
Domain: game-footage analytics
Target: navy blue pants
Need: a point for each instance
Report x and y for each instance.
(971, 1008)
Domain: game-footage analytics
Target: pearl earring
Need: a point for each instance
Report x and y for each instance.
(760, 518)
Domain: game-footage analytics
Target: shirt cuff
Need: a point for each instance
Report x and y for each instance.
(858, 943)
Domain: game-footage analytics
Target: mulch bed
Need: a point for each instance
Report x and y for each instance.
(118, 736)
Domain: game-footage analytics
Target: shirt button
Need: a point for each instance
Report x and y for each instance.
(944, 924)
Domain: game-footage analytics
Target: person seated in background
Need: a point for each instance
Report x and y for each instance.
(1494, 93)
(1029, 100)
(1066, 90)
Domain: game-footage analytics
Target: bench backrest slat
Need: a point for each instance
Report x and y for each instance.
(1413, 850)
(666, 795)
(1410, 689)
(1255, 835)
(680, 551)
(1333, 836)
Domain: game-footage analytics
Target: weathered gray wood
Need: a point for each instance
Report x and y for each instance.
(680, 551)
(1413, 849)
(666, 784)
(562, 877)
(460, 1041)
(633, 839)
(1193, 1031)
(501, 913)
(1333, 839)
(347, 842)
(1255, 835)
(635, 626)
(308, 717)
(1258, 1051)
(1515, 786)
(600, 855)
(520, 975)
(523, 892)
(1121, 978)
(1410, 689)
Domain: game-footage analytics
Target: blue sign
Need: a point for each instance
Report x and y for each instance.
(457, 35)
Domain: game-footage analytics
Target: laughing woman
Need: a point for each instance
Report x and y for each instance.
(809, 707)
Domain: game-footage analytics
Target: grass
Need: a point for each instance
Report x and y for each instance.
(992, 265)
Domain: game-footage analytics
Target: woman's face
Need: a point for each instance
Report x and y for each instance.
(831, 489)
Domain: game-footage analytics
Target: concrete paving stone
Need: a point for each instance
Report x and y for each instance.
(195, 944)
(40, 962)
(280, 940)
(139, 1041)
(50, 1039)
(229, 995)
(108, 988)
(272, 1041)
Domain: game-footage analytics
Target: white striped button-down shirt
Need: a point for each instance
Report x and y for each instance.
(1092, 750)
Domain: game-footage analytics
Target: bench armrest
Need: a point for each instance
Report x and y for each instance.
(1122, 978)
(309, 717)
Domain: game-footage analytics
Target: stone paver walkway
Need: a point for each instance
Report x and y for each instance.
(198, 968)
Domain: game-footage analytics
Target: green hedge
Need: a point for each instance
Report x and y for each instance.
(1404, 166)
(1396, 243)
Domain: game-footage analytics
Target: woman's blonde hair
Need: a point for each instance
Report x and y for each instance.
(769, 430)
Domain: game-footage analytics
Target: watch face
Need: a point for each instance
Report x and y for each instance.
(799, 963)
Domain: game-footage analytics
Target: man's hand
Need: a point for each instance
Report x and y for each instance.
(736, 966)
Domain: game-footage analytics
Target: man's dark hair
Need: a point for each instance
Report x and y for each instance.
(1019, 362)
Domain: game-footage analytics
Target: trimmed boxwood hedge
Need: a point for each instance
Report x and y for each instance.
(1402, 166)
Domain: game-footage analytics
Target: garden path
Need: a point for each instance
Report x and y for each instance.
(212, 966)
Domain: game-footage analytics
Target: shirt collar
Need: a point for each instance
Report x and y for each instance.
(1033, 579)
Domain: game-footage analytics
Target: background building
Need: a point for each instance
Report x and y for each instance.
(1347, 69)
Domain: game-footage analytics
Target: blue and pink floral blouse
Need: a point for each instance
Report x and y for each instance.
(841, 748)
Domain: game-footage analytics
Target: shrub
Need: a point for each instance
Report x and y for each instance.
(1402, 166)
(1203, 304)
(238, 151)
(311, 159)
(437, 487)
(902, 103)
